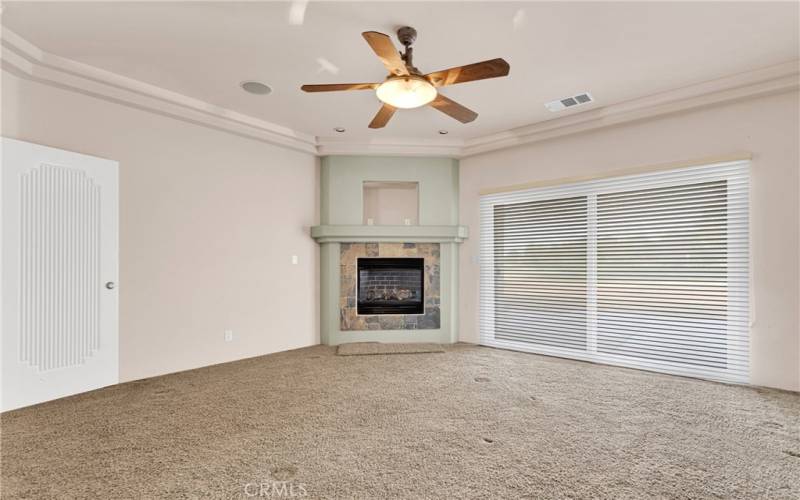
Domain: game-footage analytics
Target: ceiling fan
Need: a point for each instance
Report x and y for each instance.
(406, 87)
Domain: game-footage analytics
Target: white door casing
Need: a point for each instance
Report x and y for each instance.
(59, 273)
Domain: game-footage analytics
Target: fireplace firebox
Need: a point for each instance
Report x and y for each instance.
(390, 286)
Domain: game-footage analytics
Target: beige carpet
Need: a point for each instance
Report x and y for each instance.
(369, 348)
(470, 423)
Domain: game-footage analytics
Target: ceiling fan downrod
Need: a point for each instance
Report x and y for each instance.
(407, 36)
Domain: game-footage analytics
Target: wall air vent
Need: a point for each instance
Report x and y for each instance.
(569, 102)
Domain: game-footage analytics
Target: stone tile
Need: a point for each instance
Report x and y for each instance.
(431, 319)
(389, 250)
(429, 250)
(391, 322)
(425, 249)
(350, 251)
(347, 287)
(347, 271)
(350, 320)
(344, 318)
(397, 250)
(372, 249)
(432, 302)
(433, 282)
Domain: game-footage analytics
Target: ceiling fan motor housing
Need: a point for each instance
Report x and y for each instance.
(407, 35)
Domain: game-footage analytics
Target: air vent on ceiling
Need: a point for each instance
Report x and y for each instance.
(569, 102)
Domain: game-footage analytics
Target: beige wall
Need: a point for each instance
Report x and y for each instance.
(767, 127)
(209, 221)
(208, 224)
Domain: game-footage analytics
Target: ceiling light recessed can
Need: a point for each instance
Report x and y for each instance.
(339, 129)
(443, 132)
(256, 88)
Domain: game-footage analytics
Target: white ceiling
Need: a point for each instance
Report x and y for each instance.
(616, 51)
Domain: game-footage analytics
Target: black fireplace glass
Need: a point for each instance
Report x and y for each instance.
(390, 285)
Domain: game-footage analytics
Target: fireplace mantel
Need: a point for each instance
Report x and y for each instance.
(399, 234)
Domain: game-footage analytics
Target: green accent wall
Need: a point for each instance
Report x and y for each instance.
(342, 179)
(341, 204)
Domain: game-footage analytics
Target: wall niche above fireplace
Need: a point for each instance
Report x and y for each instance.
(391, 203)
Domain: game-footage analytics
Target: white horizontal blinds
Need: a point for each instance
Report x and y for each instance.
(652, 270)
(662, 274)
(540, 272)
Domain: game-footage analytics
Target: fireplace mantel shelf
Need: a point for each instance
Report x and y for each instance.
(359, 233)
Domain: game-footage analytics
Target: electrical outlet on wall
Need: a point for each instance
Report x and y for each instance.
(294, 259)
(228, 335)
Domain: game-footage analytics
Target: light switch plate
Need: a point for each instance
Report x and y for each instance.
(228, 335)
(294, 259)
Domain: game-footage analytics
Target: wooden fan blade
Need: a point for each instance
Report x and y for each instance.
(453, 109)
(330, 87)
(469, 73)
(386, 51)
(383, 116)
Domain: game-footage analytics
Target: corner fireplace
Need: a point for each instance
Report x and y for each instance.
(390, 286)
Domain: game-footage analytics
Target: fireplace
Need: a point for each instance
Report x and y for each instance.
(390, 286)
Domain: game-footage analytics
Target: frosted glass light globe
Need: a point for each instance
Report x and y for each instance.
(406, 92)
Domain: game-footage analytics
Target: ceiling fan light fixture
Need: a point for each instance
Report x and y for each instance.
(406, 92)
(406, 87)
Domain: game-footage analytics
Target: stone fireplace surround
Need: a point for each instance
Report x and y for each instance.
(343, 238)
(351, 320)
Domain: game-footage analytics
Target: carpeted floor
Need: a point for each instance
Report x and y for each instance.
(470, 423)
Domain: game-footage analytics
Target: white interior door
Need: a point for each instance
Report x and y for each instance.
(59, 272)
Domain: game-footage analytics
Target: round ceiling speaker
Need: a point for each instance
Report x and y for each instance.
(257, 88)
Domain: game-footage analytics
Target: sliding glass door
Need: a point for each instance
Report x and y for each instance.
(540, 272)
(647, 271)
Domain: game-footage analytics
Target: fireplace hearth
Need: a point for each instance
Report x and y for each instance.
(392, 285)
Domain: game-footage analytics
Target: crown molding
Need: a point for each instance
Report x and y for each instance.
(451, 149)
(24, 59)
(764, 81)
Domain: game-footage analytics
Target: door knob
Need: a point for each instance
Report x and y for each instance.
(110, 285)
